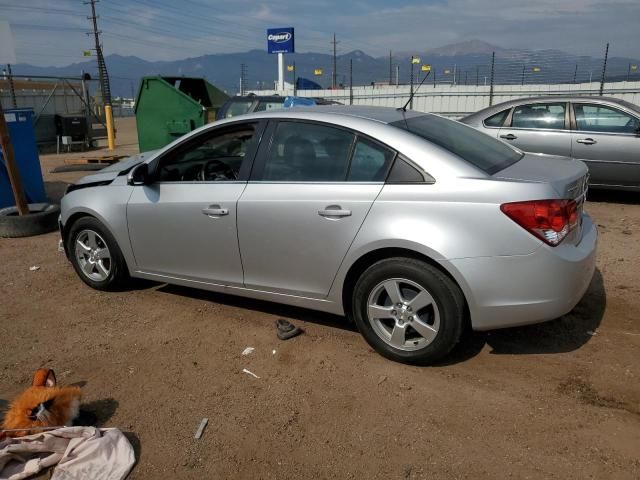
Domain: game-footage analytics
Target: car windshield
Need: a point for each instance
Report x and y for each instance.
(477, 148)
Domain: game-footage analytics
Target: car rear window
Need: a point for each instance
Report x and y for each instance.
(481, 150)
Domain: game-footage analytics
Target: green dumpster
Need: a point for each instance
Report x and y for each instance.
(169, 107)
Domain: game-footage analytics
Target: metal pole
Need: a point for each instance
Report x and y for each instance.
(334, 76)
(397, 75)
(12, 88)
(434, 77)
(295, 80)
(351, 81)
(12, 168)
(455, 70)
(281, 73)
(477, 75)
(391, 68)
(87, 109)
(604, 69)
(522, 82)
(575, 74)
(493, 64)
(411, 85)
(629, 72)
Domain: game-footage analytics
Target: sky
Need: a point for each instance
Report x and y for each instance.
(52, 32)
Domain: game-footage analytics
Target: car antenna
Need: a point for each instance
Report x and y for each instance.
(404, 108)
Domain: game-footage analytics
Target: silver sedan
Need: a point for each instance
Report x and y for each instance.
(410, 224)
(602, 132)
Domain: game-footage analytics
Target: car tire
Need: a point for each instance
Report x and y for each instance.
(42, 218)
(423, 324)
(96, 256)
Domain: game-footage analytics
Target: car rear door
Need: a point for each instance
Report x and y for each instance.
(183, 223)
(607, 139)
(309, 193)
(539, 128)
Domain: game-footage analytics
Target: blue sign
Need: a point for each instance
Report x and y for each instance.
(280, 40)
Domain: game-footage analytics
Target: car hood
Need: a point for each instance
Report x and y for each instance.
(112, 171)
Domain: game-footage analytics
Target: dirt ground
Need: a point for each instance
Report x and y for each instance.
(556, 400)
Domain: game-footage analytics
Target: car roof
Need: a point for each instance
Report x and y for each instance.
(378, 114)
(486, 112)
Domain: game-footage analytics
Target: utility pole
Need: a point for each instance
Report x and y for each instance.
(522, 82)
(411, 86)
(493, 64)
(604, 69)
(105, 88)
(575, 74)
(397, 75)
(351, 81)
(391, 68)
(12, 88)
(334, 76)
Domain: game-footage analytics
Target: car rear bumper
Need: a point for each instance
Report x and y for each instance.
(519, 290)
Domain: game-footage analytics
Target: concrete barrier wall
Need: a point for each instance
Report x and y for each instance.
(460, 100)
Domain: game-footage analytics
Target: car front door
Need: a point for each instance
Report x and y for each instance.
(183, 223)
(539, 128)
(309, 193)
(608, 141)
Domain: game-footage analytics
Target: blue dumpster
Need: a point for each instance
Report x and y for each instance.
(20, 123)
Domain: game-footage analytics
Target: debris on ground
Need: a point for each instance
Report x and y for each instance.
(273, 352)
(382, 379)
(201, 427)
(286, 329)
(592, 332)
(248, 372)
(35, 268)
(248, 351)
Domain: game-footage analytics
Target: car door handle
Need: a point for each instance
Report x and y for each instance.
(586, 141)
(511, 136)
(215, 211)
(334, 212)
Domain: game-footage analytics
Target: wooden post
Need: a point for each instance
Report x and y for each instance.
(12, 168)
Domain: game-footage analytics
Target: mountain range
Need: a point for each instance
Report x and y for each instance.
(469, 61)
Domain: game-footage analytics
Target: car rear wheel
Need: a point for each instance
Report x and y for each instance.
(95, 255)
(408, 310)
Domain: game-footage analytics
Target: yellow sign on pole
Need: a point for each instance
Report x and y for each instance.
(415, 60)
(536, 69)
(634, 67)
(289, 68)
(426, 68)
(86, 53)
(317, 71)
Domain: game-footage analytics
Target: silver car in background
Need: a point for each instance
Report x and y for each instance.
(602, 132)
(411, 224)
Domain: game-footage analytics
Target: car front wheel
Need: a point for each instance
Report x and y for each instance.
(95, 255)
(408, 310)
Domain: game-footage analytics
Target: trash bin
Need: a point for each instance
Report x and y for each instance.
(20, 123)
(168, 107)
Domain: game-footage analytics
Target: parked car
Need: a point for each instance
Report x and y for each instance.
(602, 132)
(240, 105)
(409, 223)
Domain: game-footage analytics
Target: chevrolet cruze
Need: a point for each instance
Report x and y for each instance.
(410, 224)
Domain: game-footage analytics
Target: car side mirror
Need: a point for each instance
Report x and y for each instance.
(139, 175)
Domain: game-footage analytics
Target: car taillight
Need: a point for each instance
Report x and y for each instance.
(549, 220)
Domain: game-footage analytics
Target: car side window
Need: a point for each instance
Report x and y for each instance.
(599, 118)
(308, 152)
(212, 156)
(236, 108)
(497, 120)
(265, 105)
(370, 162)
(539, 115)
